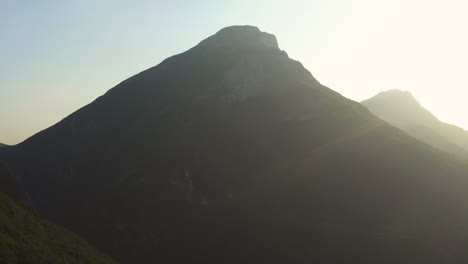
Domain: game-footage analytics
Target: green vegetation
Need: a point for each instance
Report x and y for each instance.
(24, 238)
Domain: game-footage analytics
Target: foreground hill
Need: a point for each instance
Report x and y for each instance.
(24, 238)
(28, 240)
(232, 152)
(401, 109)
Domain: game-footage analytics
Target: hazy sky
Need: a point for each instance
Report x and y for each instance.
(57, 56)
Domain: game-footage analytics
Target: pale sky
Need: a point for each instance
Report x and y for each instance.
(57, 56)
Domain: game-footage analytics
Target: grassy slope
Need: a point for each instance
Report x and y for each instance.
(26, 239)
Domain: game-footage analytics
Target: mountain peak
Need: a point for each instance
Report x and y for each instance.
(396, 98)
(398, 107)
(241, 36)
(396, 94)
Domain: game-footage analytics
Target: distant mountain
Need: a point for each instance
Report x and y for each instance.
(401, 109)
(232, 152)
(2, 145)
(28, 240)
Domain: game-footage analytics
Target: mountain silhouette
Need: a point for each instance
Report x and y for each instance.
(232, 152)
(401, 109)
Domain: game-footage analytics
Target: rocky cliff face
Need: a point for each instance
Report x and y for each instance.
(232, 152)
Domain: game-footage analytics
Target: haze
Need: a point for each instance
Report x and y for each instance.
(57, 56)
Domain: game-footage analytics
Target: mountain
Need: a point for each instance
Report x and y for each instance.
(2, 145)
(232, 152)
(401, 109)
(28, 240)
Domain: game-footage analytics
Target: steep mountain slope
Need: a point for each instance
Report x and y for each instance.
(400, 109)
(26, 239)
(2, 145)
(232, 152)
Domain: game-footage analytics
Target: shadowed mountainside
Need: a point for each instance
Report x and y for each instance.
(232, 152)
(401, 109)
